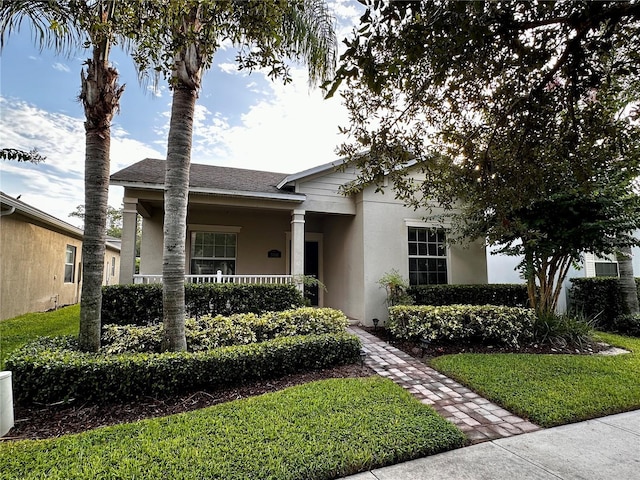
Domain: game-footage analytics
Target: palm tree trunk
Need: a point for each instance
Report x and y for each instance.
(176, 197)
(627, 281)
(100, 96)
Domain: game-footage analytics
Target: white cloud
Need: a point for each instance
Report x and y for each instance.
(55, 135)
(57, 185)
(289, 131)
(230, 68)
(61, 67)
(157, 90)
(288, 128)
(347, 13)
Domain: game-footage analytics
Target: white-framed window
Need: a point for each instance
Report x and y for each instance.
(600, 265)
(213, 251)
(113, 266)
(606, 269)
(69, 264)
(427, 256)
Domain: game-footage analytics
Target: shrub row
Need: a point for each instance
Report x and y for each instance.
(627, 324)
(209, 332)
(510, 295)
(599, 299)
(463, 323)
(142, 304)
(52, 369)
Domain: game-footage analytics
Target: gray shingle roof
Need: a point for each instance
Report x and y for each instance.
(151, 171)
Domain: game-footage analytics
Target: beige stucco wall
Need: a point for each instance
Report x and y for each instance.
(32, 262)
(111, 272)
(385, 224)
(151, 244)
(259, 232)
(343, 264)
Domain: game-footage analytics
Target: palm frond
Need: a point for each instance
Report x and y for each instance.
(309, 30)
(53, 24)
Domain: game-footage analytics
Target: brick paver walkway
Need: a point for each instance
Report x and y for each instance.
(477, 417)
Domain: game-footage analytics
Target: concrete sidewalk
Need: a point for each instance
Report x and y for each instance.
(604, 448)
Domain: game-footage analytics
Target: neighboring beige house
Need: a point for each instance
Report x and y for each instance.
(257, 225)
(40, 260)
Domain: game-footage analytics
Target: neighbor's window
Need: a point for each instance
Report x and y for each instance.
(212, 251)
(606, 269)
(113, 266)
(69, 264)
(427, 256)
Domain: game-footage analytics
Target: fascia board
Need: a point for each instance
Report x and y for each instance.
(288, 197)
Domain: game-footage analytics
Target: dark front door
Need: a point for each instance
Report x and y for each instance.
(311, 269)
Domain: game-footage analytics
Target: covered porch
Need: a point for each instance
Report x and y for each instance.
(239, 240)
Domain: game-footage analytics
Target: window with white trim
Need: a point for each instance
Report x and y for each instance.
(606, 269)
(600, 265)
(70, 264)
(213, 251)
(427, 256)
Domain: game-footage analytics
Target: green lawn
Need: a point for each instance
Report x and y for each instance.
(17, 331)
(320, 430)
(553, 389)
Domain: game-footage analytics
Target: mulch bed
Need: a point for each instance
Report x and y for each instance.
(39, 422)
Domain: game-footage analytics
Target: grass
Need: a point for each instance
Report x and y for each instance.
(553, 389)
(320, 430)
(17, 331)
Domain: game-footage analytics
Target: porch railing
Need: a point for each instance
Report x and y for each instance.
(220, 278)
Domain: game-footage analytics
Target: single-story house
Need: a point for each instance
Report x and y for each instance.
(260, 226)
(41, 260)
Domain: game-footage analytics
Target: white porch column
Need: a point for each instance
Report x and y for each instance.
(128, 247)
(297, 244)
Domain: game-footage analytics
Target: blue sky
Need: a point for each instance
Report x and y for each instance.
(242, 120)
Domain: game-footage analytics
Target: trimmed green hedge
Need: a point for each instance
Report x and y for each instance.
(462, 323)
(209, 332)
(598, 299)
(142, 304)
(627, 324)
(510, 295)
(52, 369)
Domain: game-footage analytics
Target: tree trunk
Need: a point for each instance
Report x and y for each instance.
(545, 276)
(100, 95)
(627, 281)
(530, 276)
(176, 197)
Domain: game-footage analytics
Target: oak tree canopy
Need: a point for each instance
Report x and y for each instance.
(518, 116)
